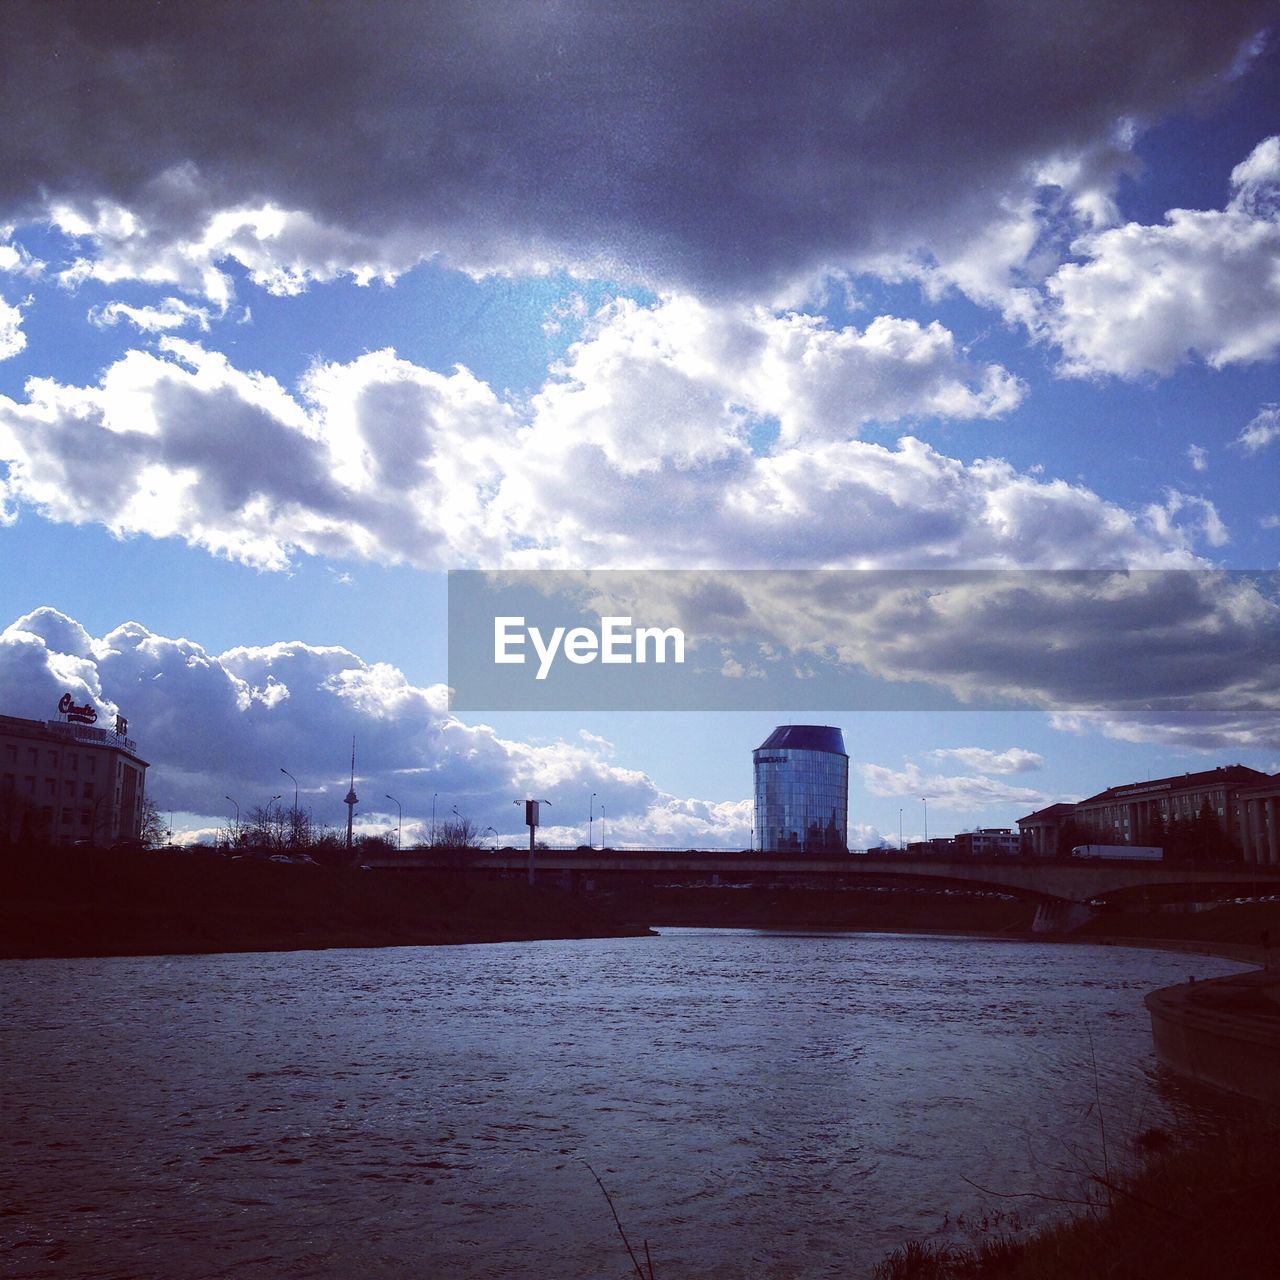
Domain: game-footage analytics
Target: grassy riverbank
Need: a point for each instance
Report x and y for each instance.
(93, 903)
(1202, 1210)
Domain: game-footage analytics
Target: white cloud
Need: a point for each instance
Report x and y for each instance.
(1143, 299)
(282, 251)
(681, 381)
(12, 339)
(1184, 510)
(1263, 430)
(16, 260)
(1198, 457)
(214, 725)
(1004, 258)
(636, 450)
(168, 315)
(1013, 760)
(964, 793)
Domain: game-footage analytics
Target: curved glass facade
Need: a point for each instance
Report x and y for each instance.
(802, 790)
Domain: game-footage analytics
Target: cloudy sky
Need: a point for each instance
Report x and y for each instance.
(303, 305)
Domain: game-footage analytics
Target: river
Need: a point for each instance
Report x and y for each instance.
(757, 1104)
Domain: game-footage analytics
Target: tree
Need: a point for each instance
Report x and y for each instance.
(152, 831)
(267, 827)
(459, 833)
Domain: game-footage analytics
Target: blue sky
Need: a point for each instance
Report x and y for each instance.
(285, 338)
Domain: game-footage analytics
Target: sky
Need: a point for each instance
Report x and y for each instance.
(304, 305)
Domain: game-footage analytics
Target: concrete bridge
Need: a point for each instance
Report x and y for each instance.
(1048, 881)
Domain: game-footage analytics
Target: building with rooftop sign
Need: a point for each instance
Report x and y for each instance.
(69, 781)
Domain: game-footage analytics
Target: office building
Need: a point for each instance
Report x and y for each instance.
(1236, 807)
(802, 790)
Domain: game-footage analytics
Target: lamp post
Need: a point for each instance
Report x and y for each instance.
(433, 818)
(900, 844)
(925, 801)
(591, 821)
(460, 829)
(293, 824)
(399, 819)
(236, 838)
(604, 839)
(495, 836)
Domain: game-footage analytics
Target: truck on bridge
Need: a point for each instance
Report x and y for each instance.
(1117, 852)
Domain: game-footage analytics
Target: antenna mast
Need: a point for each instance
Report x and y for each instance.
(352, 799)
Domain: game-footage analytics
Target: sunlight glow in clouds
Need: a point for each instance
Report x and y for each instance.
(384, 460)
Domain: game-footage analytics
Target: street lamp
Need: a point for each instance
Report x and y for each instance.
(604, 839)
(900, 844)
(399, 819)
(495, 836)
(433, 818)
(237, 805)
(460, 829)
(925, 801)
(591, 819)
(293, 825)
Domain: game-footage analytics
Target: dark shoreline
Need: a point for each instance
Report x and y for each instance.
(83, 903)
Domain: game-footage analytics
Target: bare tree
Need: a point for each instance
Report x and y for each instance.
(267, 827)
(300, 830)
(152, 831)
(459, 833)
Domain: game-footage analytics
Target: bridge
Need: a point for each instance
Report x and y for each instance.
(1045, 880)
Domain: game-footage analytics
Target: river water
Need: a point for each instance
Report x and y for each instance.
(757, 1104)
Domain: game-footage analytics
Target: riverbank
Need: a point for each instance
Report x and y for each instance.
(1235, 931)
(91, 903)
(1199, 1210)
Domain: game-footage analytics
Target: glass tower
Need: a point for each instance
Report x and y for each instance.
(802, 790)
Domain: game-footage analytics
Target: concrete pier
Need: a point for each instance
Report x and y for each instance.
(1224, 1032)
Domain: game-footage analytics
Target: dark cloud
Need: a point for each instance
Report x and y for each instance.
(719, 144)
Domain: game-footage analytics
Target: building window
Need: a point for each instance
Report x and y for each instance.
(53, 759)
(51, 787)
(87, 790)
(11, 753)
(30, 784)
(74, 761)
(86, 817)
(69, 789)
(33, 756)
(93, 764)
(66, 817)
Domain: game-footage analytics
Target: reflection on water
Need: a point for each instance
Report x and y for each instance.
(760, 1105)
